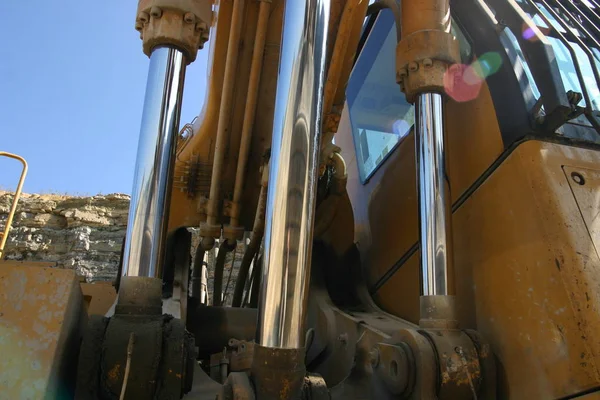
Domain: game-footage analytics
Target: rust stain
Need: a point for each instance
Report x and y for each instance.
(113, 374)
(285, 389)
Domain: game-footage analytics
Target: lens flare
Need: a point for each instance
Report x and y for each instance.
(400, 128)
(463, 82)
(487, 65)
(529, 32)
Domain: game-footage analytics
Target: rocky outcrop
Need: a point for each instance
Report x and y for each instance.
(81, 233)
(86, 234)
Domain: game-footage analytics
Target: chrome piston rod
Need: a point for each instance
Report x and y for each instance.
(293, 175)
(434, 195)
(149, 209)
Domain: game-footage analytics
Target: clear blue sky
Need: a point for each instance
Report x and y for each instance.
(72, 82)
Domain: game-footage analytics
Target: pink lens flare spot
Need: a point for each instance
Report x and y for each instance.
(461, 84)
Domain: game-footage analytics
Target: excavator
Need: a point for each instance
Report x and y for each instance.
(420, 183)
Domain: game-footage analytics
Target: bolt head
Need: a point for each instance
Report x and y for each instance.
(428, 63)
(156, 12)
(201, 26)
(143, 17)
(189, 18)
(413, 66)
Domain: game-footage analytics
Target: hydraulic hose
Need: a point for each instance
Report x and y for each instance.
(224, 248)
(240, 283)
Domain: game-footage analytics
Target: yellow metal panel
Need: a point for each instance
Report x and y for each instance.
(99, 297)
(527, 271)
(585, 184)
(385, 208)
(41, 321)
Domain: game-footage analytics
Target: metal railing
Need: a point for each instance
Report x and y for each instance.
(13, 208)
(574, 23)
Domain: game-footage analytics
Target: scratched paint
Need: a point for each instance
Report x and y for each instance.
(35, 302)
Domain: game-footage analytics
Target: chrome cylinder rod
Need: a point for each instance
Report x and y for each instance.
(149, 209)
(293, 175)
(434, 195)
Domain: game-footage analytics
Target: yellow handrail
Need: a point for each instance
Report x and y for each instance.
(13, 207)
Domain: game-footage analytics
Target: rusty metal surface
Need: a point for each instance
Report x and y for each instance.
(315, 388)
(242, 355)
(237, 387)
(41, 320)
(458, 363)
(278, 374)
(26, 264)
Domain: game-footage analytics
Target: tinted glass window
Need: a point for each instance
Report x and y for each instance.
(379, 113)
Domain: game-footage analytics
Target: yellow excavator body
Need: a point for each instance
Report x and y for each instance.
(420, 184)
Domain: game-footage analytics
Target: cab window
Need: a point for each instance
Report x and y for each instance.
(379, 113)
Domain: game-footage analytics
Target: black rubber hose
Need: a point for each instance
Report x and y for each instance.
(224, 248)
(240, 283)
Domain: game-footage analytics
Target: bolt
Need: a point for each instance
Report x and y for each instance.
(578, 178)
(402, 72)
(201, 26)
(144, 17)
(189, 18)
(428, 63)
(374, 357)
(156, 12)
(413, 66)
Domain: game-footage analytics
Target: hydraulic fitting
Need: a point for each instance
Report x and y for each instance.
(427, 47)
(183, 24)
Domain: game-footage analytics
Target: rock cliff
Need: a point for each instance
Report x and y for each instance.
(81, 233)
(85, 234)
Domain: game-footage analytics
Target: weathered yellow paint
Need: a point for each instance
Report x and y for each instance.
(99, 297)
(185, 211)
(385, 208)
(41, 321)
(527, 271)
